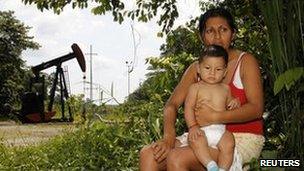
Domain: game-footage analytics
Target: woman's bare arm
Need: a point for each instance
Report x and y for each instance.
(190, 105)
(176, 99)
(162, 147)
(253, 109)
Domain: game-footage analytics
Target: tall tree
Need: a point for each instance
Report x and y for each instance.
(14, 39)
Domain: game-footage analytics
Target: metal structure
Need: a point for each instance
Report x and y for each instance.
(33, 101)
(130, 69)
(91, 70)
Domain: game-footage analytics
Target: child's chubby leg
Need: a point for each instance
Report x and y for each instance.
(226, 150)
(201, 150)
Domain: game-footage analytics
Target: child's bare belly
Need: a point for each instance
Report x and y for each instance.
(215, 106)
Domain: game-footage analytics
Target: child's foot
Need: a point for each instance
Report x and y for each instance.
(215, 168)
(212, 166)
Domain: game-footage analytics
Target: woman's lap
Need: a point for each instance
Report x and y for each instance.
(248, 146)
(183, 157)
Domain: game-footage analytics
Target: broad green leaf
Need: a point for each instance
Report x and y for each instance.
(288, 79)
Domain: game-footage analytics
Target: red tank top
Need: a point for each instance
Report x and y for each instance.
(254, 126)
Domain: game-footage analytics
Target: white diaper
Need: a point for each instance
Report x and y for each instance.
(213, 133)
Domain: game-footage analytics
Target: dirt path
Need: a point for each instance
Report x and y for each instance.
(14, 134)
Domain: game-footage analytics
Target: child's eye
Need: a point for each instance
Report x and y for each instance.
(207, 67)
(219, 69)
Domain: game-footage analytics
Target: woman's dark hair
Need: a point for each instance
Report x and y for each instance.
(214, 51)
(216, 12)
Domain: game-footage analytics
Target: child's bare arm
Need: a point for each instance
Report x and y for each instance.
(190, 105)
(190, 102)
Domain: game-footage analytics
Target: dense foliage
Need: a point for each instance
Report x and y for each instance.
(285, 41)
(14, 39)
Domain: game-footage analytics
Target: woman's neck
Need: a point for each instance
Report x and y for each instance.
(232, 54)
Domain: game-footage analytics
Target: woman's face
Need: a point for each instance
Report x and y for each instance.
(218, 32)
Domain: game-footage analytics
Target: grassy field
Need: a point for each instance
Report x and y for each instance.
(14, 134)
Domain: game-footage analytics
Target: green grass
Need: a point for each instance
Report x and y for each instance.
(111, 147)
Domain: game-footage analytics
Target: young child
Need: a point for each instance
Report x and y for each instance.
(211, 91)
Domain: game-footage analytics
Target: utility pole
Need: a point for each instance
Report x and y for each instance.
(91, 71)
(84, 87)
(130, 69)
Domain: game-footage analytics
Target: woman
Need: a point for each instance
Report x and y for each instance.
(216, 26)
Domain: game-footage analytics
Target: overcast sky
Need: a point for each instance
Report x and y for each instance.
(112, 42)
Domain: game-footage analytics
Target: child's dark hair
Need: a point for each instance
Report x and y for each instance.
(214, 51)
(216, 12)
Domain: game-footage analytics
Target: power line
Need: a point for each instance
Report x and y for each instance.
(135, 45)
(132, 64)
(100, 89)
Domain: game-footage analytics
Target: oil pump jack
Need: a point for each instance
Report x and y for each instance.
(33, 109)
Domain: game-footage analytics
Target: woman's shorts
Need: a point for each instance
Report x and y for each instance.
(248, 145)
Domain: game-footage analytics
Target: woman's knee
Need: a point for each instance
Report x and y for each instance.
(147, 161)
(146, 153)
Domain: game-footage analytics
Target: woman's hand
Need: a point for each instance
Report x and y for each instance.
(161, 149)
(205, 115)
